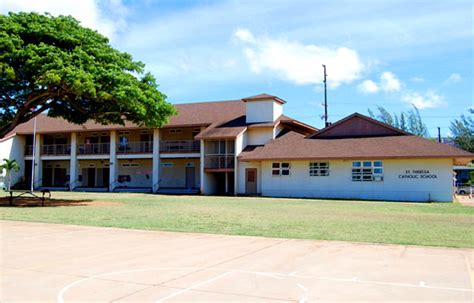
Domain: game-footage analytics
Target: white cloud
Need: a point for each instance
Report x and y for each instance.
(300, 63)
(244, 35)
(429, 99)
(453, 78)
(389, 82)
(105, 16)
(368, 87)
(417, 79)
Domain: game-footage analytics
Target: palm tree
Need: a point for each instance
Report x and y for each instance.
(9, 166)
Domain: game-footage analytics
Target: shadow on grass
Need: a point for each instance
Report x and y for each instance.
(35, 202)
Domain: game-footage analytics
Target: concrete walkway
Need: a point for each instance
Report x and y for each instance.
(64, 263)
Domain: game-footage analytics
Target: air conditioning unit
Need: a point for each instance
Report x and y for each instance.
(378, 178)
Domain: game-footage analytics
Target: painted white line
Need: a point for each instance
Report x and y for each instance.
(302, 287)
(60, 296)
(194, 286)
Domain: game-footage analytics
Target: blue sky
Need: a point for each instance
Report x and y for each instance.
(388, 53)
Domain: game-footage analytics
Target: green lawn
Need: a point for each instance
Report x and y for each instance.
(436, 224)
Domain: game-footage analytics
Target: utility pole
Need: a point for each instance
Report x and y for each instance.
(326, 124)
(439, 134)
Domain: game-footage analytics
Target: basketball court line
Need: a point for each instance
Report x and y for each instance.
(227, 271)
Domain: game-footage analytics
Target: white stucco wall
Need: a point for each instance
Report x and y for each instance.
(241, 176)
(13, 149)
(175, 176)
(140, 176)
(263, 111)
(339, 183)
(259, 136)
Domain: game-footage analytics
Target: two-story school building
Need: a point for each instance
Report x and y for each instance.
(241, 147)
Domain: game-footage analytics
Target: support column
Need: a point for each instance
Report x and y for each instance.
(226, 174)
(73, 163)
(38, 178)
(113, 165)
(156, 161)
(201, 168)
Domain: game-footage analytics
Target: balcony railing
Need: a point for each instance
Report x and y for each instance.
(56, 150)
(142, 147)
(180, 146)
(29, 150)
(219, 161)
(94, 149)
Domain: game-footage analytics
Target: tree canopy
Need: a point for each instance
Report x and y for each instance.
(54, 65)
(463, 132)
(407, 121)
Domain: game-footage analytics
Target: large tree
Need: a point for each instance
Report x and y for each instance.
(409, 121)
(54, 65)
(463, 132)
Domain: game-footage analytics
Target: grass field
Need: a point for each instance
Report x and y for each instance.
(435, 224)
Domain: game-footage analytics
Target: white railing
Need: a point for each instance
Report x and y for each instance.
(140, 147)
(180, 146)
(94, 149)
(219, 161)
(56, 149)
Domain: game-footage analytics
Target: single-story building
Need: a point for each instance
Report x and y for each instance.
(239, 147)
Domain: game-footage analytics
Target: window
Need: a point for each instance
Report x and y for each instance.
(367, 171)
(130, 165)
(318, 169)
(175, 131)
(281, 169)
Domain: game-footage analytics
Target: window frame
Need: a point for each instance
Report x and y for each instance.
(365, 171)
(281, 169)
(316, 169)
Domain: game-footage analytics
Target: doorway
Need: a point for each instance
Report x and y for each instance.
(190, 177)
(251, 181)
(90, 177)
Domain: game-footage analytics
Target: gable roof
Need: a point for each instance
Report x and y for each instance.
(261, 97)
(356, 126)
(233, 128)
(294, 146)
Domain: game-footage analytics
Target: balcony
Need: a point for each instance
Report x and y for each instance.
(28, 150)
(219, 162)
(141, 147)
(56, 150)
(180, 146)
(94, 149)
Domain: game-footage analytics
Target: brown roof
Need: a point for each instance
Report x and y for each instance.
(294, 146)
(357, 125)
(190, 114)
(233, 128)
(264, 97)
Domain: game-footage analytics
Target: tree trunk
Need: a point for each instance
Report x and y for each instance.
(9, 180)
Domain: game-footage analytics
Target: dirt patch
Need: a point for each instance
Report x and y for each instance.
(32, 202)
